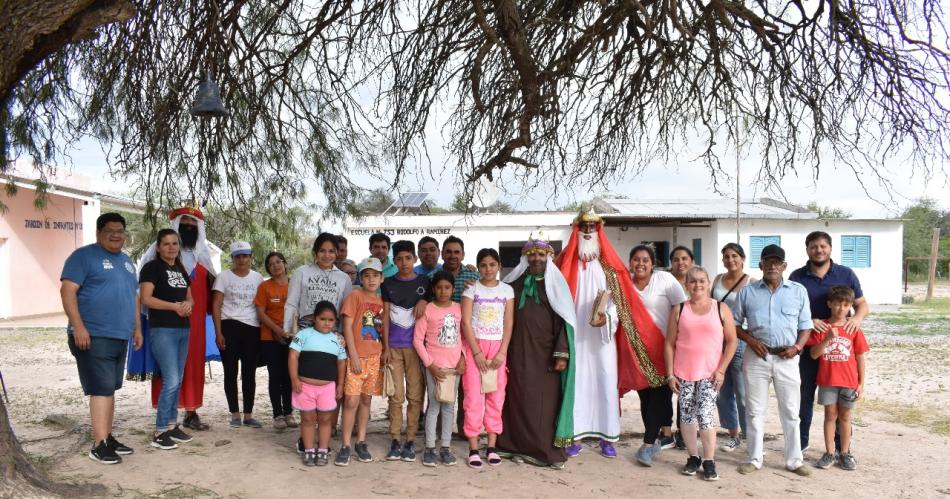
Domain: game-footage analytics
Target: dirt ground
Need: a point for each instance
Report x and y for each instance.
(901, 442)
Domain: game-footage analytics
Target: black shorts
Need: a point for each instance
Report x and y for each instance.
(102, 366)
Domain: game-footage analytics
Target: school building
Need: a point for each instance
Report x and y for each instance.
(872, 247)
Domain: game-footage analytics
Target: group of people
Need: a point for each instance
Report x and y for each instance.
(538, 360)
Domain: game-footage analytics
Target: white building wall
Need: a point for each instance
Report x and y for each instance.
(881, 282)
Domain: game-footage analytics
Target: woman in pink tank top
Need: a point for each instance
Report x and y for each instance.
(700, 343)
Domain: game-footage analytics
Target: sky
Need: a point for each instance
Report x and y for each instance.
(835, 187)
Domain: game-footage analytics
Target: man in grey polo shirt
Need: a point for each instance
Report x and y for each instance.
(779, 321)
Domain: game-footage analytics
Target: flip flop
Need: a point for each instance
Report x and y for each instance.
(493, 458)
(475, 461)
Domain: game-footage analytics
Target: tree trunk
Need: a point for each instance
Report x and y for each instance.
(32, 30)
(18, 476)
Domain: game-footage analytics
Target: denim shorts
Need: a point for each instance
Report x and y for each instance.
(836, 395)
(102, 366)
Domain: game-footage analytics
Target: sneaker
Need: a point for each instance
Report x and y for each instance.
(730, 444)
(847, 462)
(607, 449)
(447, 457)
(280, 424)
(409, 452)
(105, 454)
(163, 441)
(179, 436)
(678, 440)
(429, 457)
(300, 445)
(746, 468)
(362, 453)
(310, 458)
(323, 458)
(290, 421)
(825, 461)
(667, 442)
(709, 471)
(802, 471)
(343, 457)
(395, 451)
(253, 423)
(119, 448)
(645, 455)
(573, 450)
(692, 465)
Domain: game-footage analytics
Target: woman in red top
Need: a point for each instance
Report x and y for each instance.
(270, 299)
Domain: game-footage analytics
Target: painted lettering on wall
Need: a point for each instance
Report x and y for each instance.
(401, 231)
(52, 225)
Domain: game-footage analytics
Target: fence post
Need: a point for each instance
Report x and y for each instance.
(932, 271)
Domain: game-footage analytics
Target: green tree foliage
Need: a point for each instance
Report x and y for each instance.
(920, 219)
(827, 212)
(460, 204)
(371, 202)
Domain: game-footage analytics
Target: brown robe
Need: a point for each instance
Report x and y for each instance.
(533, 395)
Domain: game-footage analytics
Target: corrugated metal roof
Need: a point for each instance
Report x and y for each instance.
(697, 209)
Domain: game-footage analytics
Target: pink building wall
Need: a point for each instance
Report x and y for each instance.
(34, 244)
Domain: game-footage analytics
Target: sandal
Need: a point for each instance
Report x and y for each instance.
(493, 458)
(474, 460)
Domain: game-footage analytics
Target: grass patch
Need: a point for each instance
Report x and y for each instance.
(941, 426)
(910, 415)
(920, 319)
(31, 337)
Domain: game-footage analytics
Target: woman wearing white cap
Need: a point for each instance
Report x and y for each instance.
(238, 329)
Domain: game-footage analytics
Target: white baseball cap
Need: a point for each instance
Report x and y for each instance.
(240, 248)
(370, 263)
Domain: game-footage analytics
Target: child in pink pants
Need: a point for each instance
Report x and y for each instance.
(487, 315)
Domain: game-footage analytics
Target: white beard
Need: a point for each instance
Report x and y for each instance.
(588, 249)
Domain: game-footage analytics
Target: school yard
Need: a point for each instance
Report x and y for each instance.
(902, 433)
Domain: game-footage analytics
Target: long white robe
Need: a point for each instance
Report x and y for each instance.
(596, 397)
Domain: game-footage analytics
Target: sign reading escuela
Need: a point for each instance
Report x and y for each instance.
(401, 231)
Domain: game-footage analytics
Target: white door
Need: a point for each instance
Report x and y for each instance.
(4, 279)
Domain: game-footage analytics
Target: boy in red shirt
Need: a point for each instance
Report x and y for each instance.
(840, 357)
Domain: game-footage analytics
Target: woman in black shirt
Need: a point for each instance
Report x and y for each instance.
(166, 292)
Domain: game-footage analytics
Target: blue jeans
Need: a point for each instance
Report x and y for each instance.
(170, 348)
(731, 401)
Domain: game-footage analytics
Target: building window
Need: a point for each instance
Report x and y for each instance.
(698, 251)
(662, 250)
(756, 243)
(856, 251)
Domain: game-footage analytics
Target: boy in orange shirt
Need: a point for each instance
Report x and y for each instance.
(362, 329)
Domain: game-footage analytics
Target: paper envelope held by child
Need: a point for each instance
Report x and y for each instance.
(445, 389)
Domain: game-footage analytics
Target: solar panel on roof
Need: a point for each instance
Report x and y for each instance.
(411, 199)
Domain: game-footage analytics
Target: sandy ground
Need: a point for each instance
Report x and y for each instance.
(899, 452)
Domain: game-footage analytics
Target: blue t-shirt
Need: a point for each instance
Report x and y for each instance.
(421, 270)
(817, 287)
(107, 288)
(319, 354)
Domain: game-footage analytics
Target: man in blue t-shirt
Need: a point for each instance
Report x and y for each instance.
(99, 293)
(818, 276)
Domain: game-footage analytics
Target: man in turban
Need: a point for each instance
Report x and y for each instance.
(539, 402)
(618, 347)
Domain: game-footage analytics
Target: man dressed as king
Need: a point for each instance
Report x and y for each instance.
(618, 347)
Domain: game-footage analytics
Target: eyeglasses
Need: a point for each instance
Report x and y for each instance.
(110, 232)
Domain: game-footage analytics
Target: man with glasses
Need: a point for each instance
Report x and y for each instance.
(99, 293)
(778, 320)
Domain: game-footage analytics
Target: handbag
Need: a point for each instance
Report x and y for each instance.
(489, 380)
(445, 389)
(389, 382)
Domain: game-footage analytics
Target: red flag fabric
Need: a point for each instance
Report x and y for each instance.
(639, 340)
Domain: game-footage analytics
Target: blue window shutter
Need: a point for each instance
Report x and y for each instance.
(698, 251)
(847, 251)
(862, 251)
(756, 243)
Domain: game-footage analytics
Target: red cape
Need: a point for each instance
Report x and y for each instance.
(639, 352)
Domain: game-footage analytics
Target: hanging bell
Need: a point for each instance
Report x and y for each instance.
(208, 102)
